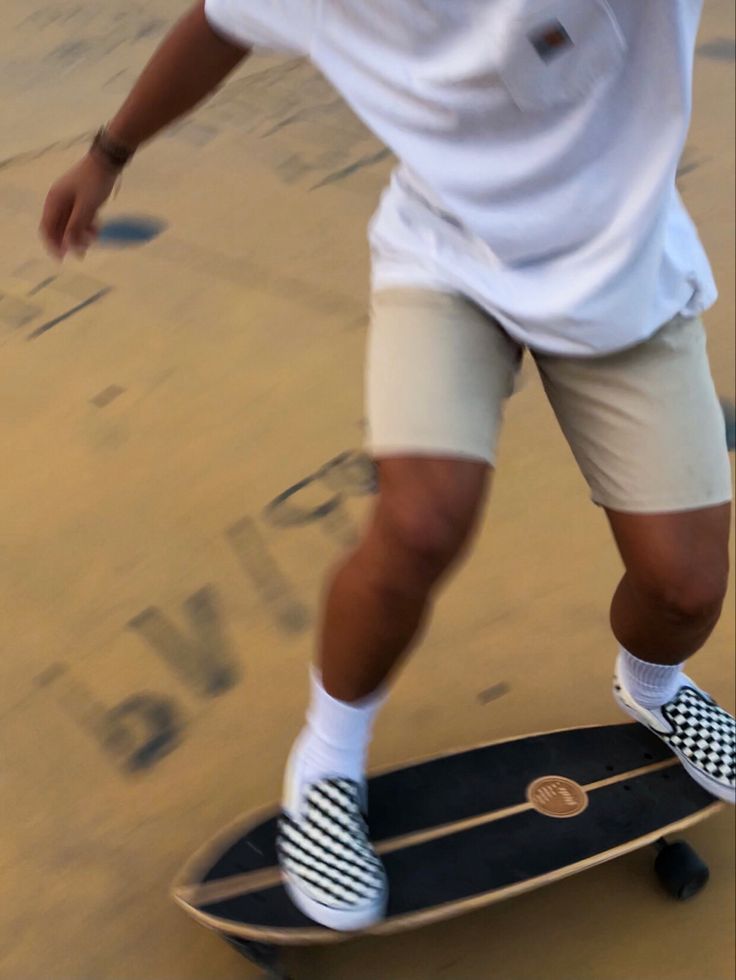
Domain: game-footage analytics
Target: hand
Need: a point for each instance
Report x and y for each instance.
(70, 212)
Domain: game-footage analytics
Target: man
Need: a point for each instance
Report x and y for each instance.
(534, 206)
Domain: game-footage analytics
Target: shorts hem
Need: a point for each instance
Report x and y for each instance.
(384, 450)
(671, 507)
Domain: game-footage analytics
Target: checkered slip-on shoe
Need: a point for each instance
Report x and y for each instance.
(702, 735)
(328, 864)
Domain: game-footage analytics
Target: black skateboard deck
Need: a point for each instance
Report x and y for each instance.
(463, 830)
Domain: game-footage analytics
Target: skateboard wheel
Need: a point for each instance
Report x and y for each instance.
(680, 870)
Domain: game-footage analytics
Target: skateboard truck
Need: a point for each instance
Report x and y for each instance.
(262, 955)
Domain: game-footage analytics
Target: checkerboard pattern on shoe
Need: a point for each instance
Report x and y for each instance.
(327, 861)
(700, 733)
(703, 733)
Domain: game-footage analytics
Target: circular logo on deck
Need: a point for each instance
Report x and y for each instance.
(557, 796)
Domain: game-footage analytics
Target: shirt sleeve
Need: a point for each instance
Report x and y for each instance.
(275, 25)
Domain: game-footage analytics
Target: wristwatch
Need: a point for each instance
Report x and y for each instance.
(115, 155)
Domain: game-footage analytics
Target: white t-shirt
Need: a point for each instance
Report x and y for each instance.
(538, 143)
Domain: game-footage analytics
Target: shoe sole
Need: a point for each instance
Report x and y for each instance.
(340, 920)
(725, 793)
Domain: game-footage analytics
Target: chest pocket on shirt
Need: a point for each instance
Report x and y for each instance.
(559, 52)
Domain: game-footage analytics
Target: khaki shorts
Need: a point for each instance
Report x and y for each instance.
(644, 424)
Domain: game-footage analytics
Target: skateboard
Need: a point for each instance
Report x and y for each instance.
(466, 829)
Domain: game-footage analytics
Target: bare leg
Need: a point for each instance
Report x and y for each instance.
(663, 611)
(380, 596)
(670, 597)
(378, 600)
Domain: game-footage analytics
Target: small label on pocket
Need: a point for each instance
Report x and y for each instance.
(550, 40)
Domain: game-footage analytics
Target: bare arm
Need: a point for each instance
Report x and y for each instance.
(189, 64)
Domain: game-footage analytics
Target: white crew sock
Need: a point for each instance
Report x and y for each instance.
(334, 741)
(650, 685)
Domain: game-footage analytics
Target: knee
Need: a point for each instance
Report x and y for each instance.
(423, 537)
(424, 516)
(430, 537)
(688, 593)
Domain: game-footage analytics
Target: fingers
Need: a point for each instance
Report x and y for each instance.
(56, 213)
(69, 216)
(80, 229)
